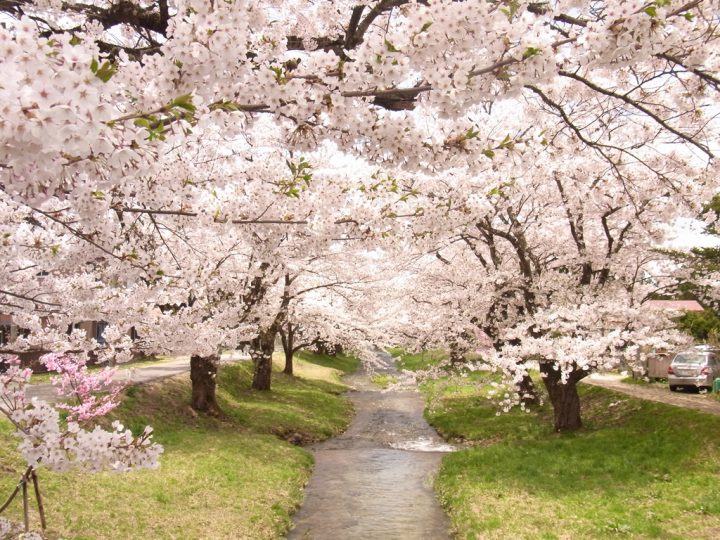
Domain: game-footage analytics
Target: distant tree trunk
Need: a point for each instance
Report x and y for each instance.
(261, 351)
(528, 392)
(288, 338)
(321, 347)
(563, 396)
(203, 370)
(457, 354)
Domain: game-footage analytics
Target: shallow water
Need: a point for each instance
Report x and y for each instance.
(374, 481)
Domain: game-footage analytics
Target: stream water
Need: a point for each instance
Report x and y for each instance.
(374, 481)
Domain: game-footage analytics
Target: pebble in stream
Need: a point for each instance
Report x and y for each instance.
(374, 481)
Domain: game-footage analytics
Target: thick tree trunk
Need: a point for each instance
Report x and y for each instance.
(203, 370)
(261, 351)
(528, 393)
(564, 397)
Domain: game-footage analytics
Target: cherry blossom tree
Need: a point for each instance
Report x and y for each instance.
(161, 151)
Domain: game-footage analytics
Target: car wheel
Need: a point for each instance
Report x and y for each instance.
(673, 387)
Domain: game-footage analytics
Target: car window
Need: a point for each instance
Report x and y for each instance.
(689, 358)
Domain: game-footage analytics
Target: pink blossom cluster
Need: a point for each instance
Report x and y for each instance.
(78, 384)
(46, 439)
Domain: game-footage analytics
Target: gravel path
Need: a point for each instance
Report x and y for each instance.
(701, 402)
(137, 375)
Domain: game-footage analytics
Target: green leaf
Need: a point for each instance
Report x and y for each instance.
(106, 71)
(142, 122)
(94, 65)
(184, 102)
(390, 47)
(689, 16)
(651, 10)
(471, 134)
(530, 52)
(488, 152)
(98, 195)
(426, 26)
(507, 143)
(74, 40)
(511, 10)
(224, 106)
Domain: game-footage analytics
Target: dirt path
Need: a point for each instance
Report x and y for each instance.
(374, 481)
(135, 375)
(701, 402)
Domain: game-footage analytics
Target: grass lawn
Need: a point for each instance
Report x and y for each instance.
(419, 361)
(233, 477)
(341, 362)
(638, 469)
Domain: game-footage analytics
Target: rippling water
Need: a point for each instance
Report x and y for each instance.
(374, 481)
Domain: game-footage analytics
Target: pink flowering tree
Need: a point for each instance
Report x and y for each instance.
(75, 440)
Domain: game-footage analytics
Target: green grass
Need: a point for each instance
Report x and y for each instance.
(395, 351)
(383, 380)
(638, 469)
(341, 362)
(229, 477)
(641, 381)
(422, 360)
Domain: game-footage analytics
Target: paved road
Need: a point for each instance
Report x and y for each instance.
(136, 375)
(701, 402)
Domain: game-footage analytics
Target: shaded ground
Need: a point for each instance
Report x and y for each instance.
(662, 394)
(374, 481)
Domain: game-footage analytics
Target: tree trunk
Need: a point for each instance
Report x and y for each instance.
(203, 370)
(321, 347)
(564, 397)
(288, 370)
(288, 344)
(261, 351)
(528, 393)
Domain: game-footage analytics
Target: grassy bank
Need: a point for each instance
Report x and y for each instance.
(417, 361)
(342, 363)
(233, 477)
(637, 469)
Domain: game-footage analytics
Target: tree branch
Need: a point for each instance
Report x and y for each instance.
(637, 106)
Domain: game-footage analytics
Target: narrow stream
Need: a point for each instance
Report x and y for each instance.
(374, 481)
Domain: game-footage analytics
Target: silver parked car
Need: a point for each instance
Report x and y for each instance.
(696, 368)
